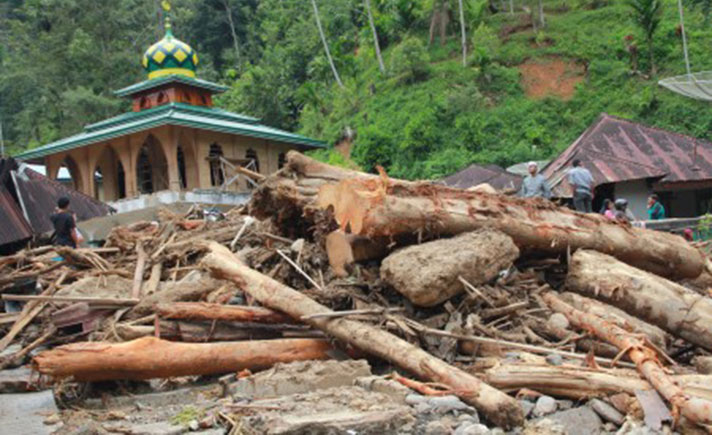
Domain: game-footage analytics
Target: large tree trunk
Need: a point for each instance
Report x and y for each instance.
(618, 317)
(227, 313)
(376, 44)
(696, 409)
(670, 306)
(150, 357)
(582, 383)
(495, 405)
(383, 207)
(326, 45)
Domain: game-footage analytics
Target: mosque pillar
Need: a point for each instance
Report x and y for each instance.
(52, 165)
(125, 154)
(170, 148)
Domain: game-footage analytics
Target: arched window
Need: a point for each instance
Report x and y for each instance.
(161, 98)
(181, 168)
(204, 100)
(121, 181)
(186, 97)
(252, 155)
(282, 160)
(144, 103)
(143, 171)
(217, 178)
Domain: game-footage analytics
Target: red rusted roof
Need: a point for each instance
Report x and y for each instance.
(27, 199)
(475, 174)
(616, 149)
(39, 198)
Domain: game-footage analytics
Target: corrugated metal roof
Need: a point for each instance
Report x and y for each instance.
(475, 174)
(169, 114)
(616, 149)
(14, 226)
(173, 78)
(39, 197)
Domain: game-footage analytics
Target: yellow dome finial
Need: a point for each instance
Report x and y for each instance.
(166, 5)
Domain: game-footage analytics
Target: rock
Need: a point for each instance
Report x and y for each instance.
(379, 384)
(554, 359)
(159, 428)
(527, 407)
(15, 380)
(339, 410)
(300, 377)
(558, 320)
(26, 413)
(581, 420)
(472, 429)
(544, 405)
(545, 426)
(607, 411)
(438, 405)
(194, 425)
(703, 364)
(437, 427)
(565, 404)
(428, 274)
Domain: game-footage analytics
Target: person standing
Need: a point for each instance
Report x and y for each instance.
(656, 211)
(581, 182)
(534, 185)
(64, 224)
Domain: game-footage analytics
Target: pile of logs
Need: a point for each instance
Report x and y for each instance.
(438, 282)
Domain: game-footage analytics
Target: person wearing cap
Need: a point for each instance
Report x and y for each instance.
(534, 185)
(581, 182)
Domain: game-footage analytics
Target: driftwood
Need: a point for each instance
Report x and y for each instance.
(495, 405)
(577, 382)
(381, 207)
(345, 249)
(189, 291)
(138, 273)
(649, 297)
(229, 313)
(696, 409)
(150, 357)
(193, 332)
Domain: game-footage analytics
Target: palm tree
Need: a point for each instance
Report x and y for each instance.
(464, 33)
(326, 46)
(647, 15)
(381, 66)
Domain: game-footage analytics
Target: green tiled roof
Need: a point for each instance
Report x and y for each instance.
(173, 78)
(170, 114)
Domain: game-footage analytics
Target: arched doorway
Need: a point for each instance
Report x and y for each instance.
(180, 156)
(252, 155)
(217, 176)
(151, 167)
(108, 177)
(282, 160)
(69, 174)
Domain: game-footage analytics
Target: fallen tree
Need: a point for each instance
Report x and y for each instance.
(696, 409)
(657, 300)
(494, 404)
(228, 313)
(150, 357)
(376, 206)
(578, 383)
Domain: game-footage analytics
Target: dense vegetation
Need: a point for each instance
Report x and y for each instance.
(426, 116)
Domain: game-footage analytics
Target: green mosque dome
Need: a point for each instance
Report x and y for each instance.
(170, 56)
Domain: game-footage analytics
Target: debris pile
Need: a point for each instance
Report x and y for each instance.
(475, 310)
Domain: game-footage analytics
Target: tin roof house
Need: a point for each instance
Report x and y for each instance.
(631, 160)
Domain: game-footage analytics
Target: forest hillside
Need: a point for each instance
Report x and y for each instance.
(534, 75)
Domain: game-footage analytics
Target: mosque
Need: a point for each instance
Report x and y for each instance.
(174, 139)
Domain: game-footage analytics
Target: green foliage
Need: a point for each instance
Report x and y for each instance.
(60, 60)
(410, 61)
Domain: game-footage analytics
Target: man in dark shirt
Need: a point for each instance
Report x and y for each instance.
(64, 224)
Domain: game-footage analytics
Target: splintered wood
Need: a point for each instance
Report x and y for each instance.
(475, 294)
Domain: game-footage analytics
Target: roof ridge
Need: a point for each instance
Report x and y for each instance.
(652, 127)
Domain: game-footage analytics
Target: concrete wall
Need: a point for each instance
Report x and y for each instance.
(636, 192)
